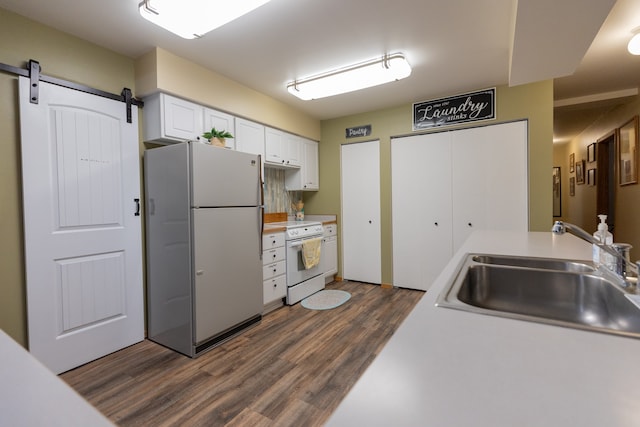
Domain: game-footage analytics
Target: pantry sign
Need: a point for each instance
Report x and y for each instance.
(469, 107)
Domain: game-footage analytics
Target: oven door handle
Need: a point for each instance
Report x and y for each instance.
(298, 244)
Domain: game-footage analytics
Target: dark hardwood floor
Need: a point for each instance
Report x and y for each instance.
(293, 369)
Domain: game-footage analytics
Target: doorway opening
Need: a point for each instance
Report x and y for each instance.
(605, 178)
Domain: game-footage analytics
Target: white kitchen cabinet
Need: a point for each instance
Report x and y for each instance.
(220, 121)
(293, 146)
(329, 252)
(282, 149)
(249, 137)
(306, 178)
(274, 285)
(445, 185)
(274, 147)
(168, 119)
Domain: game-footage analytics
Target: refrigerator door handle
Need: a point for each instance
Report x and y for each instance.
(261, 222)
(260, 183)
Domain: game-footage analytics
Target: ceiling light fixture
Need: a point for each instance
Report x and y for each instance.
(192, 19)
(634, 44)
(354, 77)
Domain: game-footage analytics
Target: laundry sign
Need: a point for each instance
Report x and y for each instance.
(469, 107)
(358, 131)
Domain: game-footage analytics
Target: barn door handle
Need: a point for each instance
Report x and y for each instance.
(137, 202)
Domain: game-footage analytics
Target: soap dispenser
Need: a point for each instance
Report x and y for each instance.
(603, 236)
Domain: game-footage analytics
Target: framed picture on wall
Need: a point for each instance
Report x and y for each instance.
(572, 186)
(557, 192)
(628, 152)
(591, 177)
(572, 162)
(591, 153)
(580, 172)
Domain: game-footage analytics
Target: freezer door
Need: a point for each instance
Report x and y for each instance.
(223, 177)
(228, 269)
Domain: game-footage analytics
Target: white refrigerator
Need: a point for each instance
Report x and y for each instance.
(204, 211)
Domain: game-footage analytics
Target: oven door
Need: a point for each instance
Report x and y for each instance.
(296, 272)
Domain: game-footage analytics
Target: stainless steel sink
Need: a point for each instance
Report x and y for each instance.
(533, 262)
(557, 292)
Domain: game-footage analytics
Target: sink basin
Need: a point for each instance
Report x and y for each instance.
(556, 292)
(533, 262)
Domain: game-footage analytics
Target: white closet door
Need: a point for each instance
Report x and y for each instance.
(361, 242)
(421, 203)
(83, 245)
(489, 179)
(446, 185)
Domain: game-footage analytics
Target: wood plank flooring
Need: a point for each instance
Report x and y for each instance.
(292, 369)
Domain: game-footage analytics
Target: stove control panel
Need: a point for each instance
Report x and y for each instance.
(304, 231)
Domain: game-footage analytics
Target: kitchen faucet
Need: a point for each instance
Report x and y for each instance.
(623, 265)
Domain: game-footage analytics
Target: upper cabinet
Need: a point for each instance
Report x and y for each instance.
(282, 150)
(249, 137)
(220, 121)
(168, 119)
(306, 178)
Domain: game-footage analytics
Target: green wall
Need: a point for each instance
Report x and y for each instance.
(60, 55)
(533, 102)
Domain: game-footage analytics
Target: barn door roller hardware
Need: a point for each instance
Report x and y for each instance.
(33, 73)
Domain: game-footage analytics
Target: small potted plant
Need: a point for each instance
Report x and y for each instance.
(217, 137)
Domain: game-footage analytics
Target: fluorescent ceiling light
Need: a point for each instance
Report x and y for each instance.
(192, 19)
(634, 44)
(354, 77)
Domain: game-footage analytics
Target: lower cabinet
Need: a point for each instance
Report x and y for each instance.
(329, 252)
(274, 270)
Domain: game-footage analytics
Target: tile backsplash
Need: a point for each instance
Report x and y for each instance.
(276, 196)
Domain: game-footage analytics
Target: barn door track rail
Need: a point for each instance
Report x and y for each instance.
(33, 73)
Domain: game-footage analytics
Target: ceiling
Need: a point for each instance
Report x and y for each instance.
(454, 46)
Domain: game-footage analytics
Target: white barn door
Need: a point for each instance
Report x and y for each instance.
(83, 248)
(361, 239)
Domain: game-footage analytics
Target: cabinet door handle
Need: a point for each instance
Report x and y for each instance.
(137, 202)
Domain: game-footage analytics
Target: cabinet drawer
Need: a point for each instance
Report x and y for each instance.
(274, 269)
(274, 288)
(330, 230)
(273, 255)
(272, 240)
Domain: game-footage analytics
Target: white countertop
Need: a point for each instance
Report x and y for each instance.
(446, 367)
(31, 395)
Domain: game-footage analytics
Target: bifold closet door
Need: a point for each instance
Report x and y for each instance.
(490, 180)
(445, 185)
(421, 201)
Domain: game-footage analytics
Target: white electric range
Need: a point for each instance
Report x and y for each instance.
(301, 281)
